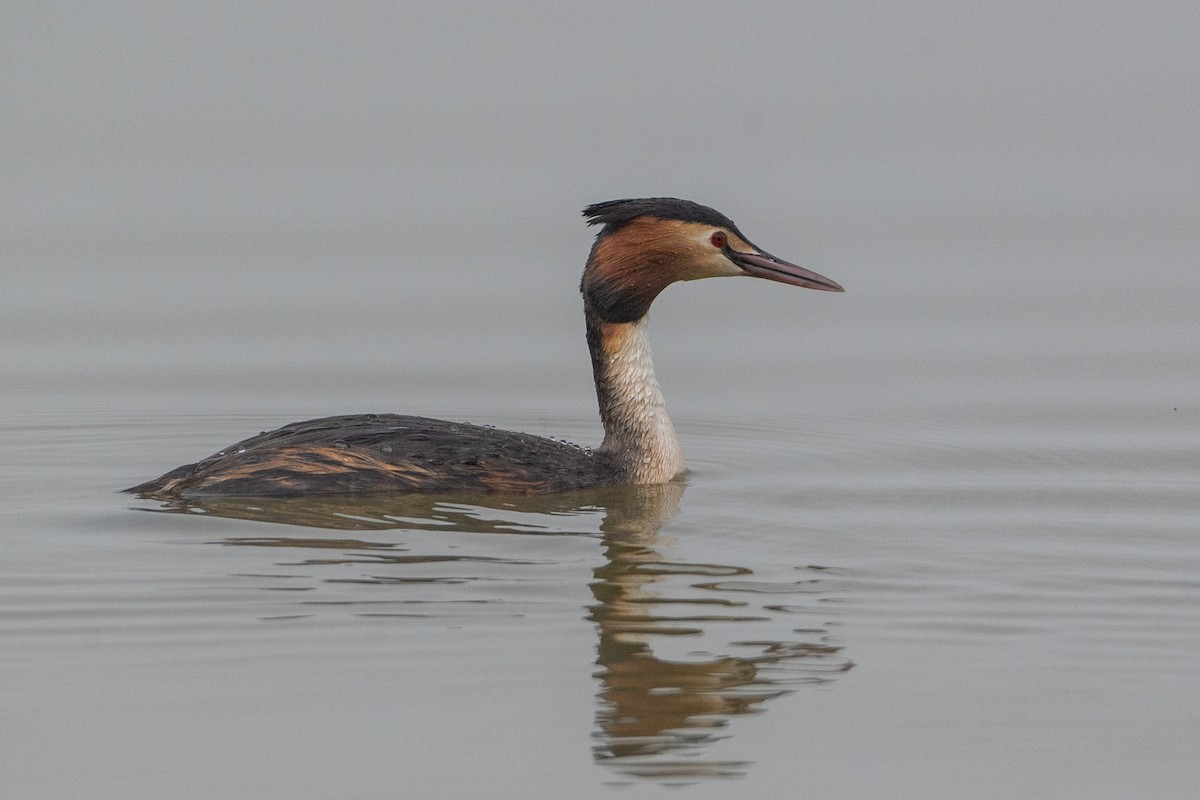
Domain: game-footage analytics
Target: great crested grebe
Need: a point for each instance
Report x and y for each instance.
(644, 245)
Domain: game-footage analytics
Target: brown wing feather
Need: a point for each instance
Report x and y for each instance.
(379, 453)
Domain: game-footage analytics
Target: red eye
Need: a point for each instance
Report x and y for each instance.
(719, 239)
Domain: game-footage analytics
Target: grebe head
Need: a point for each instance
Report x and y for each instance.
(649, 243)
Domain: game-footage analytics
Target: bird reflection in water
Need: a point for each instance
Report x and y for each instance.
(658, 714)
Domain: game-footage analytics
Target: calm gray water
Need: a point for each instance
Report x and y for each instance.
(941, 537)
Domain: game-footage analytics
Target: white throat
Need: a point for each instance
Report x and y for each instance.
(637, 431)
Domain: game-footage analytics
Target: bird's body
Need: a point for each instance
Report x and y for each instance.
(644, 246)
(374, 453)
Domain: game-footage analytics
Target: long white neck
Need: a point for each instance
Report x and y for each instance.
(638, 434)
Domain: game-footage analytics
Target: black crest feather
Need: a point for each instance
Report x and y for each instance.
(613, 213)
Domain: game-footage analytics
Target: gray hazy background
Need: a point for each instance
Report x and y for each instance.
(246, 192)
